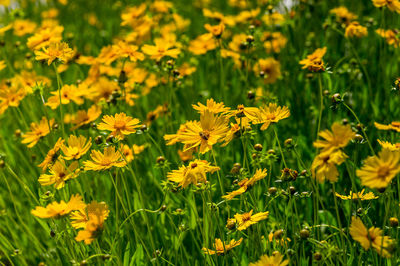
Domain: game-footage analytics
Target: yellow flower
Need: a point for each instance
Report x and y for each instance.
(393, 5)
(390, 36)
(358, 196)
(58, 50)
(314, 61)
(160, 49)
(202, 44)
(59, 174)
(37, 131)
(194, 173)
(275, 260)
(210, 130)
(2, 65)
(247, 219)
(372, 237)
(269, 69)
(343, 15)
(235, 193)
(230, 135)
(45, 37)
(392, 126)
(211, 106)
(354, 29)
(125, 50)
(129, 153)
(271, 114)
(216, 30)
(69, 93)
(57, 210)
(390, 146)
(97, 213)
(83, 117)
(76, 148)
(274, 41)
(221, 248)
(22, 27)
(247, 183)
(338, 138)
(102, 161)
(120, 125)
(52, 155)
(378, 171)
(324, 165)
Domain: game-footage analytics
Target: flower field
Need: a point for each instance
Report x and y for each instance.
(237, 132)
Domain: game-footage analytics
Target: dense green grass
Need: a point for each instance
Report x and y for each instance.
(151, 221)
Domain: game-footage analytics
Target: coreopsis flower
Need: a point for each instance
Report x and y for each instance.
(37, 131)
(247, 219)
(273, 237)
(372, 237)
(246, 183)
(393, 5)
(273, 41)
(3, 65)
(131, 14)
(389, 146)
(230, 135)
(93, 223)
(343, 15)
(338, 138)
(272, 113)
(120, 125)
(274, 18)
(392, 126)
(58, 50)
(45, 37)
(231, 195)
(161, 49)
(130, 153)
(324, 165)
(69, 93)
(194, 173)
(59, 174)
(103, 161)
(210, 130)
(244, 114)
(269, 69)
(22, 27)
(216, 30)
(314, 61)
(52, 155)
(125, 50)
(391, 36)
(202, 44)
(275, 260)
(221, 248)
(76, 148)
(358, 196)
(59, 209)
(354, 29)
(84, 117)
(378, 171)
(211, 106)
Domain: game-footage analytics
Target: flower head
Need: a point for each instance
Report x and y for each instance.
(275, 260)
(221, 248)
(57, 50)
(314, 61)
(271, 113)
(120, 125)
(76, 148)
(358, 196)
(161, 49)
(37, 131)
(392, 126)
(59, 209)
(378, 171)
(324, 165)
(103, 161)
(247, 219)
(59, 174)
(211, 106)
(354, 29)
(338, 138)
(52, 155)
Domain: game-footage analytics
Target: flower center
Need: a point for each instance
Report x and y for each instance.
(246, 217)
(383, 172)
(205, 135)
(119, 124)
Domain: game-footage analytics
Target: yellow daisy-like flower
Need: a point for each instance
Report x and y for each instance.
(275, 260)
(390, 146)
(338, 138)
(52, 155)
(59, 209)
(77, 147)
(372, 237)
(194, 173)
(354, 29)
(161, 49)
(210, 130)
(59, 174)
(314, 61)
(246, 183)
(343, 15)
(84, 117)
(37, 131)
(378, 171)
(393, 5)
(216, 30)
(211, 106)
(269, 69)
(68, 93)
(235, 193)
(57, 50)
(120, 125)
(247, 219)
(102, 161)
(221, 248)
(93, 223)
(358, 196)
(129, 153)
(392, 126)
(391, 36)
(271, 114)
(324, 165)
